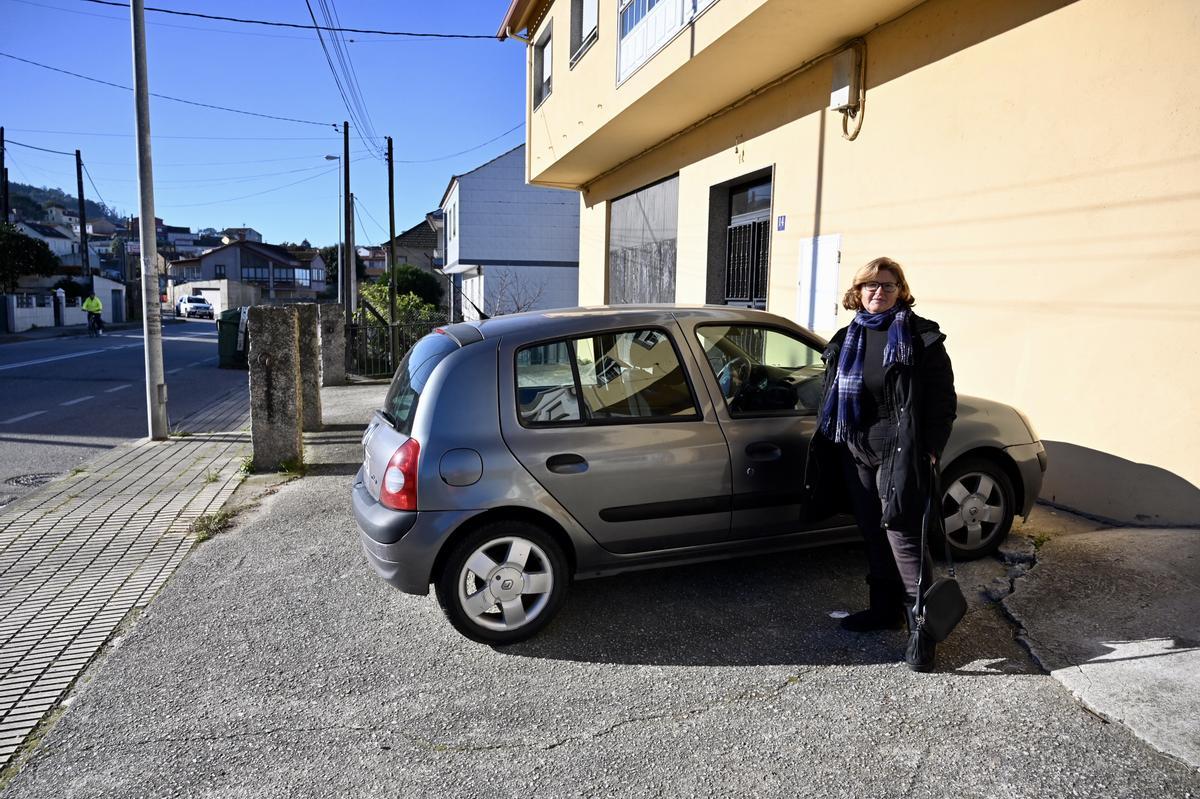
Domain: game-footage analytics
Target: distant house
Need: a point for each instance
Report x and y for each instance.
(280, 275)
(59, 242)
(232, 234)
(418, 246)
(58, 216)
(374, 261)
(516, 246)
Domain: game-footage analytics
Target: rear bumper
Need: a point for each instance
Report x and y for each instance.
(401, 546)
(1031, 464)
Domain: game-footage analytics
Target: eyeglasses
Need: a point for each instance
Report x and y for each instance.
(888, 288)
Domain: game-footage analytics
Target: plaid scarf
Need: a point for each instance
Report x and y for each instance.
(842, 411)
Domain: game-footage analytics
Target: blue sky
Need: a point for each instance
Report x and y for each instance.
(434, 97)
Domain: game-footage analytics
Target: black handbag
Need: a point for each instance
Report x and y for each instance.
(941, 607)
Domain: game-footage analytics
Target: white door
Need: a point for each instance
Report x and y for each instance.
(818, 295)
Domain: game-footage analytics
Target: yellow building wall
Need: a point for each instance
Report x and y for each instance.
(1035, 166)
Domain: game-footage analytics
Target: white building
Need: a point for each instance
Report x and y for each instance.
(515, 245)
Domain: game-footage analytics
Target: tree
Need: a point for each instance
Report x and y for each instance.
(410, 309)
(508, 292)
(411, 280)
(23, 255)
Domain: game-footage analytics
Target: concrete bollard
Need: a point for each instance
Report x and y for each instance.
(310, 365)
(333, 344)
(276, 405)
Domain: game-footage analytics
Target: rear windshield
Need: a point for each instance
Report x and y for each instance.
(411, 375)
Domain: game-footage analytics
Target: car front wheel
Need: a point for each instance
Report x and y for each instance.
(503, 583)
(978, 504)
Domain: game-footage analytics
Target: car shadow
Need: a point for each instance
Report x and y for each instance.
(757, 611)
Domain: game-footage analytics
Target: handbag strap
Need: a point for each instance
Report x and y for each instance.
(934, 490)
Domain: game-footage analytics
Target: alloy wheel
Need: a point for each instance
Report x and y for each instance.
(505, 583)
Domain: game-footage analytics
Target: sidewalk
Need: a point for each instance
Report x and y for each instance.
(79, 554)
(275, 663)
(40, 333)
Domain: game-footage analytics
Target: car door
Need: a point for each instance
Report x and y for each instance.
(611, 423)
(767, 383)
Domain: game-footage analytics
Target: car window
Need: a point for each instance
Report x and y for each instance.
(762, 370)
(632, 375)
(611, 377)
(411, 376)
(546, 384)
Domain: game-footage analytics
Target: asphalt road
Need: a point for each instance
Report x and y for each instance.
(65, 400)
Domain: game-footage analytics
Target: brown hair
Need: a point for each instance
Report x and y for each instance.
(852, 299)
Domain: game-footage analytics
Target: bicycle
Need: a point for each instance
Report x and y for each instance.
(95, 326)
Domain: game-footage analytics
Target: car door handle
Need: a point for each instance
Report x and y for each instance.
(763, 451)
(568, 463)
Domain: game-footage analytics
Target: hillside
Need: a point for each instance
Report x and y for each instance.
(30, 202)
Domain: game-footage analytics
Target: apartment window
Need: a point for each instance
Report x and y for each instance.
(633, 12)
(583, 26)
(543, 58)
(220, 270)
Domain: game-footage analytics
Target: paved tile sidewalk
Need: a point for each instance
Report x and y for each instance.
(79, 554)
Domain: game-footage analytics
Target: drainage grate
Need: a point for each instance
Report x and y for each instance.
(31, 480)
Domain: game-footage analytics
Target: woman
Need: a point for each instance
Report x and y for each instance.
(888, 405)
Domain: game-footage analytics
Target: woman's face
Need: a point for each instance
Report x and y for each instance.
(880, 294)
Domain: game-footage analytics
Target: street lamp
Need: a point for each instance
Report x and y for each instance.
(341, 277)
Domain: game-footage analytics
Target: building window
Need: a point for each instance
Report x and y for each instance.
(285, 276)
(220, 270)
(583, 26)
(303, 277)
(254, 274)
(642, 235)
(543, 60)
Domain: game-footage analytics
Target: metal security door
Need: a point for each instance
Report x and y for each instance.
(748, 248)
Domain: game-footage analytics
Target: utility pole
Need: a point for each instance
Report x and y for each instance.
(84, 259)
(391, 255)
(156, 387)
(346, 275)
(351, 268)
(3, 181)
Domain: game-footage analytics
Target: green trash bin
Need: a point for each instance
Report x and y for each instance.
(232, 342)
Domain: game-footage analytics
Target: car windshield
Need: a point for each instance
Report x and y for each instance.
(411, 376)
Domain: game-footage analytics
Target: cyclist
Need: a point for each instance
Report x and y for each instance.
(93, 306)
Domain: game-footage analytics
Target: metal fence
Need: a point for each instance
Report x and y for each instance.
(368, 353)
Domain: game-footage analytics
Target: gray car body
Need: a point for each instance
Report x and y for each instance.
(478, 463)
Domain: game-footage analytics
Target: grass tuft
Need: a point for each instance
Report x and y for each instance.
(210, 524)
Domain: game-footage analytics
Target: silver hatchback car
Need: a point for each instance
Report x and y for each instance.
(516, 454)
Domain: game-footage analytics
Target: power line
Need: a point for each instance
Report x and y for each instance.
(247, 196)
(462, 152)
(89, 177)
(191, 138)
(168, 97)
(125, 20)
(358, 204)
(314, 26)
(31, 147)
(352, 101)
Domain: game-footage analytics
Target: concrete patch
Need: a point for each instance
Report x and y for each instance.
(1114, 616)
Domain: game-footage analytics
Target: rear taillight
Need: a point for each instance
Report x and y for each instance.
(398, 490)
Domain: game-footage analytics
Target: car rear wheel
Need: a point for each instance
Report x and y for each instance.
(503, 583)
(978, 504)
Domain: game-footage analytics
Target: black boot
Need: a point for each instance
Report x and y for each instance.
(886, 611)
(921, 650)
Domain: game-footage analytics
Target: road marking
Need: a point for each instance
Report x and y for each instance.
(16, 419)
(173, 371)
(64, 357)
(78, 400)
(196, 363)
(117, 388)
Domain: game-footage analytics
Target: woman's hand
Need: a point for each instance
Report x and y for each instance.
(933, 459)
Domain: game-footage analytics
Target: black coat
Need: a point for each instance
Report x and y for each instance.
(926, 405)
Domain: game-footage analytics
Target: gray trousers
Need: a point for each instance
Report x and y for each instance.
(894, 556)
